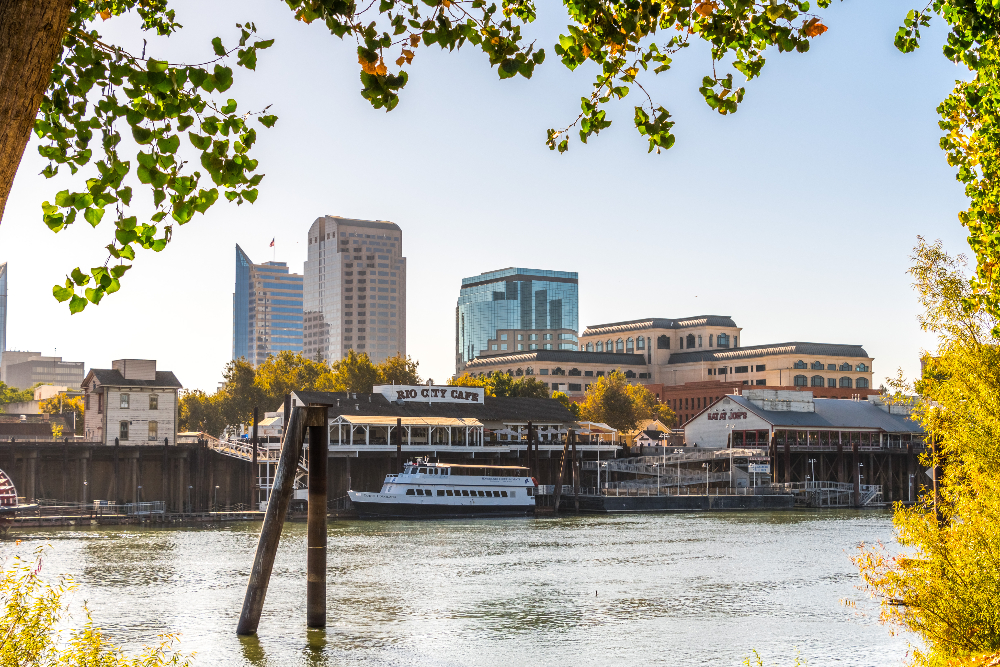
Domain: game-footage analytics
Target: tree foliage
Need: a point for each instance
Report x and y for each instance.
(612, 400)
(201, 412)
(945, 584)
(32, 621)
(572, 406)
(63, 404)
(501, 385)
(10, 394)
(191, 145)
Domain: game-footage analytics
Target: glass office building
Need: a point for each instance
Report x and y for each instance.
(533, 308)
(267, 309)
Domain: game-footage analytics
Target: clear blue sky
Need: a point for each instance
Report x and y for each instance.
(795, 216)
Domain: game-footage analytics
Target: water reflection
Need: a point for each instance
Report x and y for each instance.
(685, 589)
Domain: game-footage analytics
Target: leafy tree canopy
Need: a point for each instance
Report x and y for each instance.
(12, 395)
(63, 404)
(612, 400)
(945, 586)
(501, 385)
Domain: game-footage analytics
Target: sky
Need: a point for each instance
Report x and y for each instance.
(796, 216)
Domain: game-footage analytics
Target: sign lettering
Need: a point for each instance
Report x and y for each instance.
(724, 416)
(431, 394)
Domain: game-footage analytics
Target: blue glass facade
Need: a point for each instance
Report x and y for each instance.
(514, 298)
(267, 309)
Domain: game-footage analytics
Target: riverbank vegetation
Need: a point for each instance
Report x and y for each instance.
(264, 387)
(945, 584)
(34, 612)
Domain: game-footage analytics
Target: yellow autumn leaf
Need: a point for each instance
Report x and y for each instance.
(105, 14)
(813, 28)
(631, 71)
(446, 3)
(399, 61)
(408, 56)
(366, 66)
(706, 7)
(414, 41)
(381, 69)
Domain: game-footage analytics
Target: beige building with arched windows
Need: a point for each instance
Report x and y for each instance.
(671, 352)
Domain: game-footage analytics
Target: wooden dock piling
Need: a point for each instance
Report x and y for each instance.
(576, 476)
(254, 473)
(399, 446)
(319, 454)
(557, 493)
(274, 521)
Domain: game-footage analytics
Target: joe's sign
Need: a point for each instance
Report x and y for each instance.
(431, 394)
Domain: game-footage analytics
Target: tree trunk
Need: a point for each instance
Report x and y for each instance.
(31, 33)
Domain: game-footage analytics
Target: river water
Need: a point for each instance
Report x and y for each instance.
(672, 589)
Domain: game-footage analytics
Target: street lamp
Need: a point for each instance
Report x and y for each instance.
(216, 498)
(911, 488)
(138, 492)
(705, 466)
(860, 476)
(812, 464)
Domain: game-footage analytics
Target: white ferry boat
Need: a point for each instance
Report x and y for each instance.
(426, 490)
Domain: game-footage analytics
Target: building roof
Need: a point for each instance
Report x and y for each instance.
(517, 273)
(833, 413)
(659, 323)
(568, 357)
(511, 410)
(753, 351)
(112, 378)
(374, 224)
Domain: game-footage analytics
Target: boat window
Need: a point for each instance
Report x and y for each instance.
(496, 494)
(465, 492)
(420, 492)
(482, 494)
(503, 494)
(423, 471)
(528, 490)
(444, 471)
(449, 492)
(410, 492)
(440, 492)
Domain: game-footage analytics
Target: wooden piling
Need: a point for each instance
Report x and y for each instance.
(531, 442)
(576, 475)
(319, 454)
(399, 446)
(857, 472)
(254, 474)
(274, 521)
(557, 492)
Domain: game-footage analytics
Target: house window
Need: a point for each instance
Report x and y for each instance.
(845, 382)
(818, 381)
(663, 342)
(590, 347)
(100, 403)
(799, 364)
(503, 336)
(817, 365)
(711, 339)
(630, 346)
(741, 369)
(761, 368)
(801, 381)
(152, 431)
(641, 343)
(503, 346)
(690, 341)
(575, 387)
(154, 401)
(544, 371)
(831, 382)
(699, 341)
(124, 399)
(845, 366)
(520, 336)
(619, 346)
(861, 383)
(761, 382)
(599, 346)
(861, 368)
(722, 340)
(532, 336)
(831, 367)
(493, 347)
(123, 430)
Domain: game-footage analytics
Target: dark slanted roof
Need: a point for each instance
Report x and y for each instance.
(539, 410)
(803, 349)
(835, 413)
(660, 323)
(112, 378)
(373, 224)
(567, 357)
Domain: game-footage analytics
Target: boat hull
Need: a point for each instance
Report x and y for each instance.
(388, 510)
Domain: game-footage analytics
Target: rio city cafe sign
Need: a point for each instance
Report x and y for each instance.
(430, 394)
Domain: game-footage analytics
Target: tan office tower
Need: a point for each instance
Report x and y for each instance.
(355, 290)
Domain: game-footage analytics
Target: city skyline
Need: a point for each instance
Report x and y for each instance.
(267, 309)
(731, 219)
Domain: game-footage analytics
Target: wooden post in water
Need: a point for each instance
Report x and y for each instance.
(531, 440)
(253, 461)
(557, 492)
(576, 476)
(399, 446)
(319, 455)
(857, 473)
(274, 521)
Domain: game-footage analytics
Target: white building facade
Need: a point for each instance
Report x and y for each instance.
(131, 402)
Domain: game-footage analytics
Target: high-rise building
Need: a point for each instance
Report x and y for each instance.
(23, 370)
(514, 310)
(267, 309)
(3, 309)
(355, 295)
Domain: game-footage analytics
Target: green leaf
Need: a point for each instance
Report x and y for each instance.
(79, 277)
(268, 121)
(76, 304)
(217, 46)
(154, 65)
(142, 135)
(93, 295)
(93, 216)
(62, 293)
(119, 271)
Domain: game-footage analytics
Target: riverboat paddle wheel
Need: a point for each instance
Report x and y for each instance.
(8, 502)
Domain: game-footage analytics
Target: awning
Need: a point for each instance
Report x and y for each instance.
(360, 420)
